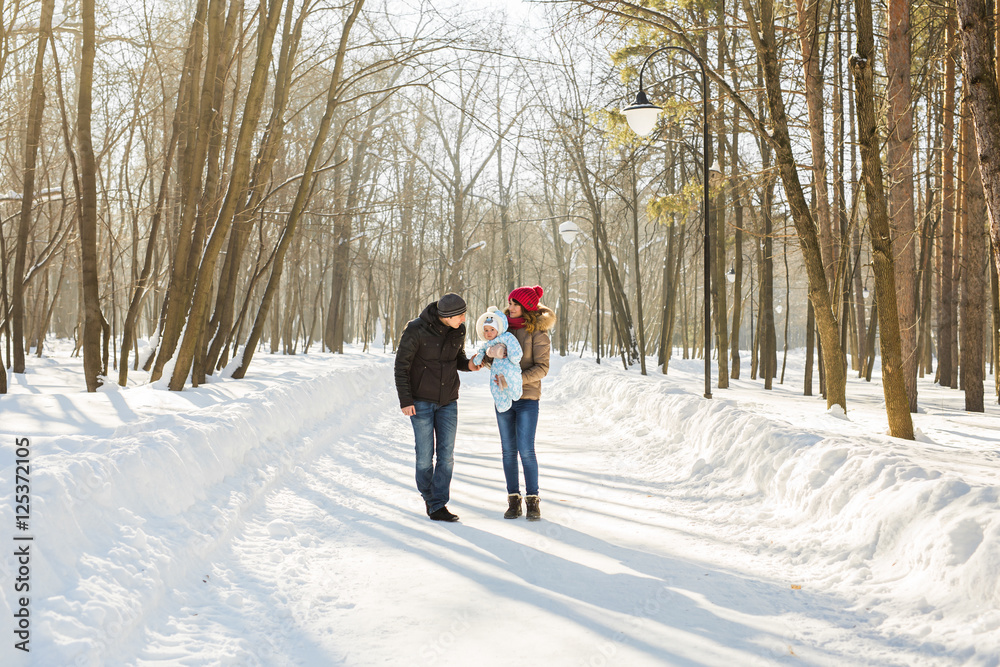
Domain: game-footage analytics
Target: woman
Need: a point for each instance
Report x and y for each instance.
(530, 323)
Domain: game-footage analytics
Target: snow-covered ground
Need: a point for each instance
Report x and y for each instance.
(274, 521)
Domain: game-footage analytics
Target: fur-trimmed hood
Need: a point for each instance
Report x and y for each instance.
(546, 317)
(493, 317)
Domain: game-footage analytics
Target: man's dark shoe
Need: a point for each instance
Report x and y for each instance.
(443, 515)
(427, 506)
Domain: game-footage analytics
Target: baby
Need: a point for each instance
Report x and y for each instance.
(505, 373)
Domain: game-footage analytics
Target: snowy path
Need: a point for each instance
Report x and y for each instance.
(338, 565)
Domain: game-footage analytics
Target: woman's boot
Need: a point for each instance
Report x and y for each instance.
(514, 506)
(534, 513)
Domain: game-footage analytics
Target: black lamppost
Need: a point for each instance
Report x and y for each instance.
(641, 116)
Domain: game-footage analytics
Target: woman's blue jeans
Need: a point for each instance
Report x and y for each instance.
(434, 429)
(517, 437)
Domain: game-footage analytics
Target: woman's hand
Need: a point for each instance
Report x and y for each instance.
(500, 380)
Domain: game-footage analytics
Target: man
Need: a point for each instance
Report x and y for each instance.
(431, 352)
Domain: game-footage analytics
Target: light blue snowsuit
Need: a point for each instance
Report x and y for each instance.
(509, 366)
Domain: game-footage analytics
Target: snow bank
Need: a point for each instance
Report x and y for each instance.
(913, 527)
(122, 520)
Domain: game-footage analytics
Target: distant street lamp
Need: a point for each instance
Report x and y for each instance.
(641, 117)
(731, 275)
(569, 230)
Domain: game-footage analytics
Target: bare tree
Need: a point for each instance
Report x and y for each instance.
(35, 111)
(93, 324)
(899, 155)
(457, 134)
(976, 20)
(238, 181)
(305, 189)
(946, 329)
(819, 292)
(974, 261)
(897, 404)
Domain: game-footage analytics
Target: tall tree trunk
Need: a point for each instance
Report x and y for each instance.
(956, 272)
(92, 317)
(851, 285)
(805, 227)
(145, 277)
(663, 355)
(738, 271)
(208, 207)
(718, 213)
(976, 20)
(222, 319)
(859, 281)
(808, 29)
(190, 169)
(676, 255)
(406, 293)
(899, 154)
(768, 337)
(784, 354)
(336, 313)
(807, 383)
(946, 332)
(504, 189)
(973, 301)
(897, 405)
(995, 301)
(870, 340)
(719, 283)
(36, 108)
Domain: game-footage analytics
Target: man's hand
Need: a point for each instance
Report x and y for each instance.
(410, 411)
(473, 366)
(497, 351)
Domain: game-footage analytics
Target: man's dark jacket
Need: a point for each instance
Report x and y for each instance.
(428, 359)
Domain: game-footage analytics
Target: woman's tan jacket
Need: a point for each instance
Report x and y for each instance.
(536, 347)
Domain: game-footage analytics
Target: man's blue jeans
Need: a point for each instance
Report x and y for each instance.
(434, 428)
(517, 437)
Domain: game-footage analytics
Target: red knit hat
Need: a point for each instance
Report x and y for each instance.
(526, 296)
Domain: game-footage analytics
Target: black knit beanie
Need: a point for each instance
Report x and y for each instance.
(451, 305)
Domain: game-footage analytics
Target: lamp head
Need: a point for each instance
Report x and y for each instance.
(641, 115)
(714, 173)
(568, 231)
(731, 275)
